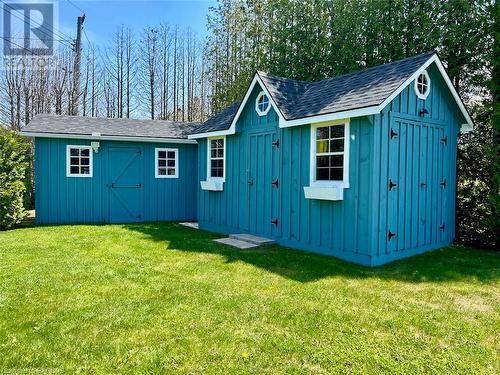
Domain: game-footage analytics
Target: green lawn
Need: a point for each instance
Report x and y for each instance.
(157, 298)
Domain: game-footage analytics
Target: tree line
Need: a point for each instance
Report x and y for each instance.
(163, 72)
(157, 74)
(316, 39)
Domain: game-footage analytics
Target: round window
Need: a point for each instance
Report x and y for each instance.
(262, 104)
(422, 85)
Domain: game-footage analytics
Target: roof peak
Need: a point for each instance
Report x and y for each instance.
(429, 53)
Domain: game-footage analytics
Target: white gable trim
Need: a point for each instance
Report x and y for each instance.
(283, 123)
(468, 126)
(232, 129)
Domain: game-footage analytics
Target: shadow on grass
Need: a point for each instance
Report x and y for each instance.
(449, 264)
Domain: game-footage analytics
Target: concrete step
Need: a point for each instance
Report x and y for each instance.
(260, 241)
(236, 243)
(190, 224)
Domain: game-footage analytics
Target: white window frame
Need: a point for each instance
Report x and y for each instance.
(68, 161)
(426, 93)
(209, 159)
(259, 112)
(323, 183)
(167, 150)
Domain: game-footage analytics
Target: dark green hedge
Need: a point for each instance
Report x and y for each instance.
(15, 154)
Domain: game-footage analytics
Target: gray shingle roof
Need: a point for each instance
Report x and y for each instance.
(221, 121)
(299, 99)
(79, 125)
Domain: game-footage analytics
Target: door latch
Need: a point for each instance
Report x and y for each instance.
(443, 184)
(275, 222)
(390, 235)
(276, 143)
(275, 183)
(442, 227)
(393, 133)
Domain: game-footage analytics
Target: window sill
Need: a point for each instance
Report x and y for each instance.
(212, 185)
(324, 193)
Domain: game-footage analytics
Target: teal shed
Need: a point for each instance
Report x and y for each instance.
(98, 170)
(360, 166)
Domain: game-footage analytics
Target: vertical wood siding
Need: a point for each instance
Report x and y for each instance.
(60, 199)
(420, 210)
(356, 228)
(335, 228)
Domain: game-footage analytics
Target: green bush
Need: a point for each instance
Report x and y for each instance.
(477, 193)
(15, 154)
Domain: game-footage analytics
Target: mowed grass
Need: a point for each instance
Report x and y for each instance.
(161, 298)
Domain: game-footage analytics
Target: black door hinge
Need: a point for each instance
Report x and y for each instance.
(276, 143)
(392, 184)
(443, 184)
(444, 140)
(275, 183)
(442, 227)
(393, 133)
(390, 235)
(275, 222)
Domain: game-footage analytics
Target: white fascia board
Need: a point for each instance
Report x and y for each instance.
(256, 79)
(330, 117)
(434, 59)
(106, 137)
(210, 134)
(232, 129)
(468, 126)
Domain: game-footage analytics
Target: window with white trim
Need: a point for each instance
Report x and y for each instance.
(216, 158)
(166, 162)
(330, 155)
(79, 161)
(423, 85)
(262, 104)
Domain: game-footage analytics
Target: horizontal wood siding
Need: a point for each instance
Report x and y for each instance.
(60, 199)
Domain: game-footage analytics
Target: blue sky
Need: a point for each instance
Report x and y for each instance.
(104, 17)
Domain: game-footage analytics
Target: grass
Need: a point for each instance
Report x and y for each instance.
(156, 298)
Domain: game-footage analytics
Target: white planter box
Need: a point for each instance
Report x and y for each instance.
(212, 185)
(324, 193)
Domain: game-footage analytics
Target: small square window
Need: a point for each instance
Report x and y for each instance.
(166, 163)
(79, 161)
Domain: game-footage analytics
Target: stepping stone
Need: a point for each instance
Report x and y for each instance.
(193, 225)
(260, 241)
(236, 243)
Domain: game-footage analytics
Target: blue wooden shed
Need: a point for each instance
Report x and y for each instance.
(97, 170)
(360, 166)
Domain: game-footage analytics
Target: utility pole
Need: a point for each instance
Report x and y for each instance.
(76, 69)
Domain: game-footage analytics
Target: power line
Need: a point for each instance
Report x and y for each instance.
(61, 35)
(76, 6)
(11, 42)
